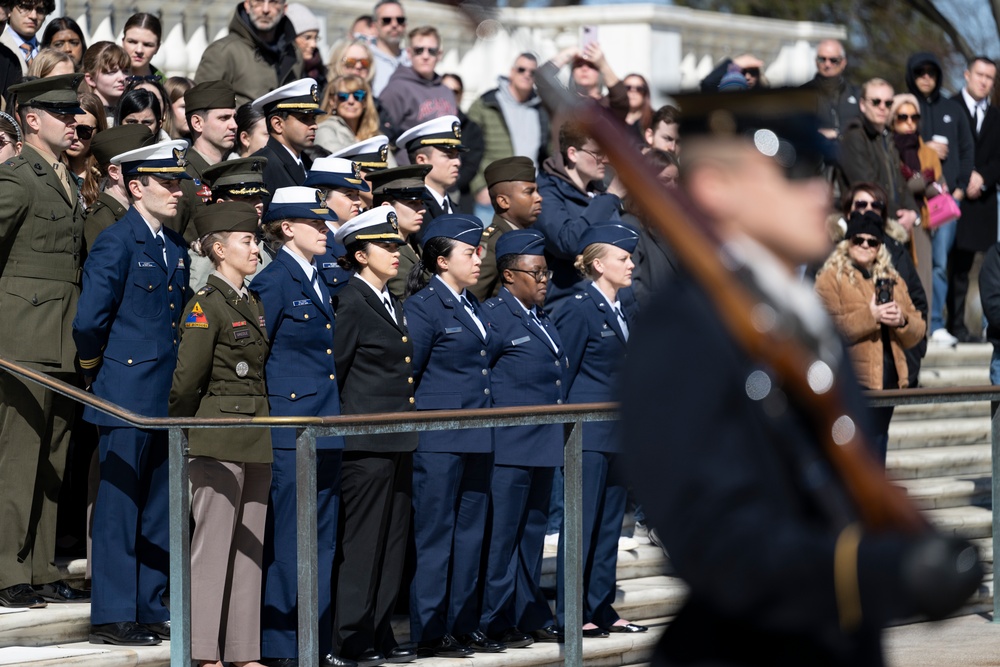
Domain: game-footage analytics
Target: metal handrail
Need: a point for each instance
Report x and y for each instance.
(572, 416)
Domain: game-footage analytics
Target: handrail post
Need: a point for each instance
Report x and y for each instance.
(180, 550)
(573, 545)
(306, 551)
(995, 475)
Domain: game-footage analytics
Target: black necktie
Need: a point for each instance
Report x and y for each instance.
(163, 250)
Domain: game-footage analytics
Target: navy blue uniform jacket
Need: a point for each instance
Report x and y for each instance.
(451, 364)
(126, 325)
(526, 372)
(301, 373)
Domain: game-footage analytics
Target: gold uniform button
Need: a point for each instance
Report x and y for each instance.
(150, 286)
(173, 325)
(306, 316)
(170, 288)
(130, 361)
(292, 396)
(329, 351)
(411, 400)
(331, 377)
(410, 380)
(407, 360)
(328, 326)
(405, 339)
(171, 306)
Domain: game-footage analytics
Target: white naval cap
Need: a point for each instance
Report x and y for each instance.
(301, 96)
(445, 131)
(375, 224)
(370, 154)
(165, 159)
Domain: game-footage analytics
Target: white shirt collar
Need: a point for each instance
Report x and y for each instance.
(153, 231)
(972, 104)
(448, 287)
(292, 153)
(438, 198)
(310, 269)
(382, 294)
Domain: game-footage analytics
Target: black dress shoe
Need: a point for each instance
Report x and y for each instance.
(513, 638)
(160, 629)
(369, 658)
(599, 633)
(550, 634)
(400, 654)
(331, 660)
(124, 633)
(60, 591)
(480, 643)
(628, 627)
(444, 647)
(21, 596)
(280, 662)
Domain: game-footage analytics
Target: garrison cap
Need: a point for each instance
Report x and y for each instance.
(370, 154)
(458, 226)
(520, 242)
(210, 95)
(242, 177)
(301, 96)
(375, 224)
(225, 216)
(444, 132)
(163, 160)
(516, 168)
(336, 172)
(401, 182)
(615, 232)
(52, 93)
(298, 201)
(780, 123)
(117, 140)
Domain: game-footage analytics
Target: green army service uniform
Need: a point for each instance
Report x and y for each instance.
(41, 239)
(220, 372)
(103, 213)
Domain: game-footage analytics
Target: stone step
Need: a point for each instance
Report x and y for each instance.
(645, 561)
(906, 413)
(939, 432)
(963, 354)
(938, 461)
(967, 522)
(941, 492)
(957, 376)
(83, 654)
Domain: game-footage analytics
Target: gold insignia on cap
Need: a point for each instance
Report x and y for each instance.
(320, 198)
(314, 91)
(383, 152)
(180, 155)
(357, 169)
(256, 165)
(391, 218)
(456, 127)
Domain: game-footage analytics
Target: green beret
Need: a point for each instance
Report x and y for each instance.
(225, 216)
(117, 140)
(54, 93)
(210, 95)
(244, 176)
(515, 168)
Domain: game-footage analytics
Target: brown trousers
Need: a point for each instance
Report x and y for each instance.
(229, 505)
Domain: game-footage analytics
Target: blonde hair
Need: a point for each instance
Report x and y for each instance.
(841, 263)
(584, 263)
(46, 61)
(368, 123)
(334, 63)
(899, 101)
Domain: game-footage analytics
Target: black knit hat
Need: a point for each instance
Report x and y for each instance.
(868, 222)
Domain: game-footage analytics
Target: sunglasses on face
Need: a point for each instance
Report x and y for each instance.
(925, 71)
(835, 60)
(135, 78)
(431, 50)
(85, 132)
(865, 241)
(526, 70)
(752, 71)
(351, 63)
(388, 20)
(28, 7)
(358, 95)
(903, 117)
(861, 205)
(879, 103)
(636, 89)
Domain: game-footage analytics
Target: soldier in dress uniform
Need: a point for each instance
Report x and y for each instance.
(233, 180)
(343, 183)
(220, 373)
(41, 244)
(403, 188)
(452, 353)
(126, 327)
(113, 201)
(437, 143)
(731, 468)
(371, 155)
(301, 381)
(532, 369)
(290, 113)
(516, 205)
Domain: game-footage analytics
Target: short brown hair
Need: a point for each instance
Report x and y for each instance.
(574, 134)
(424, 31)
(104, 57)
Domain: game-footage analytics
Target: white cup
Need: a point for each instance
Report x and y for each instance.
(940, 139)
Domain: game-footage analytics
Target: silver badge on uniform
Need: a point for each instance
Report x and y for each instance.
(242, 369)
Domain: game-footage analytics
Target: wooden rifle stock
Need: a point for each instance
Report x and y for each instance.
(882, 506)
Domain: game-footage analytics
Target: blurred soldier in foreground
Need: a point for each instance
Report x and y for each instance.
(729, 465)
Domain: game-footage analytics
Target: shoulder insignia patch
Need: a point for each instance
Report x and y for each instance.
(489, 231)
(196, 318)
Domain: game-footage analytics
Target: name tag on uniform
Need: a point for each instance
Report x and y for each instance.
(303, 302)
(520, 341)
(180, 262)
(240, 334)
(147, 265)
(605, 334)
(328, 265)
(451, 330)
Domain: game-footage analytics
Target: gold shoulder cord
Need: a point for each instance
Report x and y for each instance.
(845, 577)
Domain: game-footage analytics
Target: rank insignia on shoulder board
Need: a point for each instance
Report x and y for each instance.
(196, 318)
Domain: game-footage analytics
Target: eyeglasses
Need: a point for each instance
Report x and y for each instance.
(538, 274)
(861, 205)
(28, 7)
(351, 63)
(85, 132)
(752, 71)
(879, 103)
(431, 50)
(835, 60)
(358, 95)
(387, 20)
(597, 155)
(925, 71)
(636, 89)
(530, 71)
(150, 78)
(903, 117)
(865, 241)
(4, 141)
